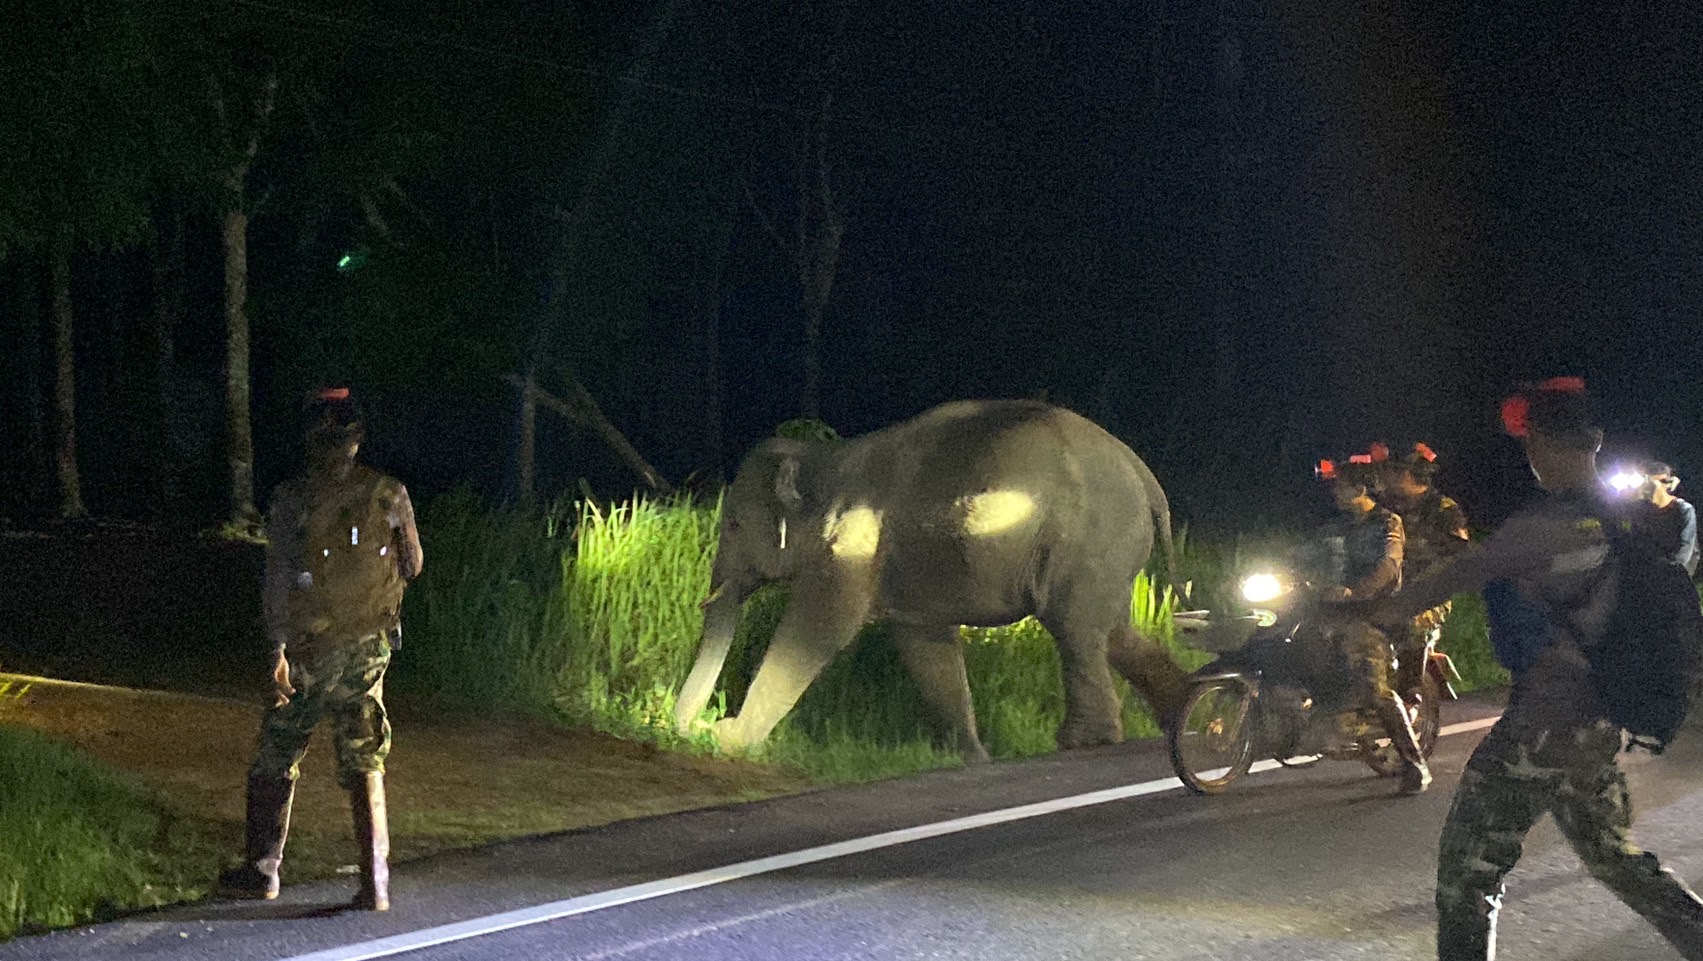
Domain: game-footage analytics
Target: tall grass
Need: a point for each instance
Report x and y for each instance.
(482, 625)
(80, 841)
(634, 586)
(600, 627)
(632, 589)
(1466, 639)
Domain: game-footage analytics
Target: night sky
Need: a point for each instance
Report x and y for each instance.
(1242, 236)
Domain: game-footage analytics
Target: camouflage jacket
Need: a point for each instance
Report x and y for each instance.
(1550, 553)
(1436, 531)
(341, 547)
(1363, 554)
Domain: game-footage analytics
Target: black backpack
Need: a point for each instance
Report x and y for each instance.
(1647, 662)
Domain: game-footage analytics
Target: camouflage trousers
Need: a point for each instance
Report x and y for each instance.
(1374, 685)
(1518, 774)
(344, 683)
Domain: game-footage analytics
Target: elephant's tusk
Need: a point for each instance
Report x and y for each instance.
(715, 595)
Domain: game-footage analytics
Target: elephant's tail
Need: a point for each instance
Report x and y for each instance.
(1160, 505)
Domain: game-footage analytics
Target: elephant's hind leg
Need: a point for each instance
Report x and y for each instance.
(1149, 669)
(1093, 713)
(935, 657)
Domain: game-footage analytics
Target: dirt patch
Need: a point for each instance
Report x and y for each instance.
(453, 782)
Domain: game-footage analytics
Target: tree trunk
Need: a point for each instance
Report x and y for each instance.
(566, 265)
(810, 401)
(582, 410)
(65, 383)
(528, 455)
(820, 223)
(29, 475)
(239, 435)
(709, 327)
(169, 299)
(820, 228)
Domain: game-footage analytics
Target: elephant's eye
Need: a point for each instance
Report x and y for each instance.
(733, 525)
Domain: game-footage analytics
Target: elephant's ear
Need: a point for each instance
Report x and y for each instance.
(786, 483)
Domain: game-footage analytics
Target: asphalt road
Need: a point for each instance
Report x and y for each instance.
(1320, 863)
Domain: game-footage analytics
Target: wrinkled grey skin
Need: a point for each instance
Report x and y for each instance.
(890, 526)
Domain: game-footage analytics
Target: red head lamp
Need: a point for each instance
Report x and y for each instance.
(1516, 410)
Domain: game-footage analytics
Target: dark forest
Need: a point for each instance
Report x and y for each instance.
(1241, 236)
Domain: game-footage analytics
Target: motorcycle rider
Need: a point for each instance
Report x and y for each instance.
(1356, 557)
(1436, 530)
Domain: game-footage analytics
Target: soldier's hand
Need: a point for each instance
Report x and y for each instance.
(1336, 594)
(281, 680)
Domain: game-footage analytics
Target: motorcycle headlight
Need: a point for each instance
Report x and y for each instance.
(1261, 588)
(1623, 481)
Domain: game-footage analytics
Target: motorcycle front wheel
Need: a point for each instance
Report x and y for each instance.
(1426, 709)
(1212, 743)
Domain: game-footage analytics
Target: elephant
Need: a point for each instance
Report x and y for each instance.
(974, 513)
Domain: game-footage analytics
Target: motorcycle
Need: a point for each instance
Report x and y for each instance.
(1273, 694)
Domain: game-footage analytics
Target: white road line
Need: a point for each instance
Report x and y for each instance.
(585, 904)
(1466, 726)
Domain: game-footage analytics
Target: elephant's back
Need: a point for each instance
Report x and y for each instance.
(966, 447)
(984, 506)
(974, 469)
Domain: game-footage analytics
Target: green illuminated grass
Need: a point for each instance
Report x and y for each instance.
(79, 841)
(599, 628)
(1466, 639)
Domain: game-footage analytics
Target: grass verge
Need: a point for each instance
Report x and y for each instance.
(83, 841)
(599, 626)
(456, 780)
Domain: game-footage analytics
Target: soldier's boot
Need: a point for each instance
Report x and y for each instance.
(372, 833)
(1660, 896)
(268, 823)
(1416, 777)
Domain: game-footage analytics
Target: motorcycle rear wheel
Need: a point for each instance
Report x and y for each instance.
(1212, 742)
(1427, 724)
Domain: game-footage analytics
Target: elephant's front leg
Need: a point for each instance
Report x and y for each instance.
(822, 617)
(935, 657)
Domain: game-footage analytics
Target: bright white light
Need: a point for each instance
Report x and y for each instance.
(1259, 588)
(995, 512)
(1626, 480)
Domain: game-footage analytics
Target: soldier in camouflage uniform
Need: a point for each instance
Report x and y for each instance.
(1552, 750)
(1436, 530)
(1354, 559)
(342, 546)
(1668, 522)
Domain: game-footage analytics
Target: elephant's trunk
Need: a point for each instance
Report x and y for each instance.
(721, 620)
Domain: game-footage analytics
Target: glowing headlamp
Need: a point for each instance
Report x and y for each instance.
(1262, 588)
(1626, 480)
